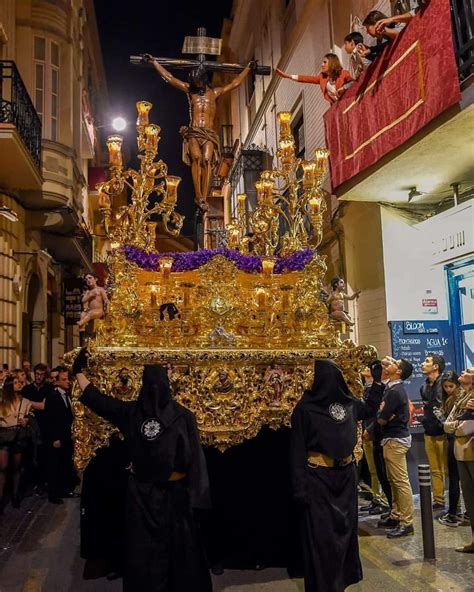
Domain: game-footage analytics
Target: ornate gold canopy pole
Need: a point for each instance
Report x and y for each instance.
(239, 328)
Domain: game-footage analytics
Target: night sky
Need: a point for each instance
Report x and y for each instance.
(157, 27)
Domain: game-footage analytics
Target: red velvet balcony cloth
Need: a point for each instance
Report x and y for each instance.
(413, 80)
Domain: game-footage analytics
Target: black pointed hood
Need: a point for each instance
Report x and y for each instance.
(329, 404)
(155, 393)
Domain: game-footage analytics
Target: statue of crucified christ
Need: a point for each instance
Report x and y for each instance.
(200, 140)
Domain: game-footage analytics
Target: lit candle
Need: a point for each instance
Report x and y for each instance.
(268, 191)
(143, 108)
(260, 193)
(268, 263)
(232, 234)
(287, 150)
(260, 298)
(152, 134)
(241, 198)
(284, 119)
(309, 176)
(153, 296)
(314, 205)
(151, 226)
(172, 189)
(114, 146)
(321, 156)
(165, 266)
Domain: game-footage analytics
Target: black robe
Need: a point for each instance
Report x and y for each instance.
(163, 551)
(103, 493)
(325, 421)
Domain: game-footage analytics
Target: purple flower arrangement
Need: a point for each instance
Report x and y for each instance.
(190, 260)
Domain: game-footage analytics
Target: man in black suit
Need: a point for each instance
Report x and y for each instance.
(62, 478)
(36, 391)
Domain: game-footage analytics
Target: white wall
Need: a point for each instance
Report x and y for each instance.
(414, 259)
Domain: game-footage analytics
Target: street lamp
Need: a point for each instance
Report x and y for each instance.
(8, 213)
(119, 124)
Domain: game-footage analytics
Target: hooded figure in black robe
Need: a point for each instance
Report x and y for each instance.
(324, 423)
(168, 481)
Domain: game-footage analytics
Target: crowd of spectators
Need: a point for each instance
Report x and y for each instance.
(36, 450)
(333, 79)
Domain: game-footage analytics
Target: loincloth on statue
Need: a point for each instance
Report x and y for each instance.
(202, 135)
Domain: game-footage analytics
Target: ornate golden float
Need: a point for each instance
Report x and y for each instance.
(239, 328)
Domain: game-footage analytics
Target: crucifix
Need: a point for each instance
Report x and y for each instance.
(201, 148)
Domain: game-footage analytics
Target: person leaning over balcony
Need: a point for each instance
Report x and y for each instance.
(385, 36)
(435, 439)
(353, 43)
(333, 79)
(394, 417)
(399, 19)
(460, 422)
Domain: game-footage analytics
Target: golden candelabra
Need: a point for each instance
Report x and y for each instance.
(240, 341)
(290, 193)
(133, 224)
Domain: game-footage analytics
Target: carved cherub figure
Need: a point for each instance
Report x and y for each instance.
(336, 299)
(94, 301)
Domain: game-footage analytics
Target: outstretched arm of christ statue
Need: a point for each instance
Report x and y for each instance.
(237, 81)
(166, 74)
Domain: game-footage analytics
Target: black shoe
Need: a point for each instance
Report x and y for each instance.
(401, 531)
(72, 494)
(388, 523)
(217, 569)
(377, 509)
(260, 567)
(385, 515)
(438, 506)
(367, 507)
(55, 500)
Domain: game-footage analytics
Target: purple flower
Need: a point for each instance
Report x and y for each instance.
(190, 260)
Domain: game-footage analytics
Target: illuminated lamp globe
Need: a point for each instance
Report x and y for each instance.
(119, 124)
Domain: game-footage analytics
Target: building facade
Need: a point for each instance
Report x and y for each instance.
(52, 92)
(372, 230)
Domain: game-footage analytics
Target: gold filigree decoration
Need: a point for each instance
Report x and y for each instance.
(240, 347)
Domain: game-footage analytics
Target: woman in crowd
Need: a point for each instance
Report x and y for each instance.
(333, 79)
(451, 391)
(324, 476)
(14, 410)
(460, 422)
(168, 481)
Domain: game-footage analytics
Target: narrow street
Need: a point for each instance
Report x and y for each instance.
(39, 552)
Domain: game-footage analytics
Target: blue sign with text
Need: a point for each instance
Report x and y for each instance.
(414, 340)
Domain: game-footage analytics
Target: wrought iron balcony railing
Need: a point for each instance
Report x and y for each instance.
(17, 108)
(463, 34)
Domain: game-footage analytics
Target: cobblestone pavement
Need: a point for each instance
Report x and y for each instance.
(39, 552)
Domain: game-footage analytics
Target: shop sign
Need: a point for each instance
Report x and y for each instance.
(429, 305)
(413, 341)
(72, 300)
